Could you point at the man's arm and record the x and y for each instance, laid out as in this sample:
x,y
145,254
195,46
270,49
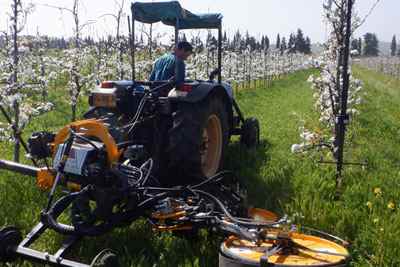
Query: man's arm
x,y
153,74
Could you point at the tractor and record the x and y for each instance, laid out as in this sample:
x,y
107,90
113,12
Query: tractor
x,y
154,150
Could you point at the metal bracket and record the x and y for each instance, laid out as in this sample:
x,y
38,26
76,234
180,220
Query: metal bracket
x,y
363,164
345,119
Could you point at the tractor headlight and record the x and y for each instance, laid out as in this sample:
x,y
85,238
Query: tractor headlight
x,y
101,97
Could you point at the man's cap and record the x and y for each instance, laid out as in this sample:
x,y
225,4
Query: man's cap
x,y
186,46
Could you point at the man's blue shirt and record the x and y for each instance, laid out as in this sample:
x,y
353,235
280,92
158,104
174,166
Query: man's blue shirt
x,y
164,69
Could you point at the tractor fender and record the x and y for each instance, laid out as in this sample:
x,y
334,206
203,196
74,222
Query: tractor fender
x,y
201,90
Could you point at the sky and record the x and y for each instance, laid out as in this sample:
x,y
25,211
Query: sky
x,y
259,17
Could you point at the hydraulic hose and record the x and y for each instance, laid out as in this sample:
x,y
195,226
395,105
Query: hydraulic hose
x,y
234,219
49,218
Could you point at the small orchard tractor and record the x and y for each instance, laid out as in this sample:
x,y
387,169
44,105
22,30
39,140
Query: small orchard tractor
x,y
151,150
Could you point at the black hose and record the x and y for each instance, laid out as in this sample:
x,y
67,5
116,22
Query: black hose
x,y
234,219
86,140
212,178
49,218
148,171
142,103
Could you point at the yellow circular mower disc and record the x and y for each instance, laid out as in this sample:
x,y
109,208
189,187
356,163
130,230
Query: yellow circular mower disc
x,y
246,251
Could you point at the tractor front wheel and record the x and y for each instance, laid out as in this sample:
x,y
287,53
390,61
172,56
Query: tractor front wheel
x,y
106,258
250,135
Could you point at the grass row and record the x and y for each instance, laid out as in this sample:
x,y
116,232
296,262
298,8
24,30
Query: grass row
x,y
366,214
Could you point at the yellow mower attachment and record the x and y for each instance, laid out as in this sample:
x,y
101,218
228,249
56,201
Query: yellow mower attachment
x,y
91,128
310,251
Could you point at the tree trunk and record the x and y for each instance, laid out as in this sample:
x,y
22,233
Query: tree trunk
x,y
14,80
16,132
73,112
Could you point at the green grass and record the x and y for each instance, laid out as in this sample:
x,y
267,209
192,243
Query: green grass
x,y
275,178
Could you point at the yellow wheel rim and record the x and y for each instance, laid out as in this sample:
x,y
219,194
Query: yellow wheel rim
x,y
211,147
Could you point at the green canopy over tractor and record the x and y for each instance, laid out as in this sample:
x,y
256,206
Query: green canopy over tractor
x,y
171,13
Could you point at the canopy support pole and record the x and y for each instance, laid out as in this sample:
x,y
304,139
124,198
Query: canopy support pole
x,y
176,45
131,27
219,53
134,50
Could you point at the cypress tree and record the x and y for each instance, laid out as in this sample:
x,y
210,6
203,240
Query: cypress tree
x,y
267,43
291,44
307,46
300,41
371,45
283,45
354,45
393,46
278,42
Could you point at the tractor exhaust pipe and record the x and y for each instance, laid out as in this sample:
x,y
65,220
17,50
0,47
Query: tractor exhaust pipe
x,y
20,168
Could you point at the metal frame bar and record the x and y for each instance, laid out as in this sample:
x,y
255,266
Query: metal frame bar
x,y
131,26
56,259
18,167
176,44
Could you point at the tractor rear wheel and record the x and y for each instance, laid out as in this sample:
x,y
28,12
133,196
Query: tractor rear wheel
x,y
197,139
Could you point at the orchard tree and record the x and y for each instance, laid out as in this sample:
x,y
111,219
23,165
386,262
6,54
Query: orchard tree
x,y
18,103
75,58
337,93
119,42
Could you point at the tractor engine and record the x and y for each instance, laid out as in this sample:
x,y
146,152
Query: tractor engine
x,y
86,163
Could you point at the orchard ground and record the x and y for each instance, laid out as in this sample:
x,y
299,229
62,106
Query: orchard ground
x,y
367,214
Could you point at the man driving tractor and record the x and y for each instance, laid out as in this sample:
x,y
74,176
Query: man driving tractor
x,y
164,67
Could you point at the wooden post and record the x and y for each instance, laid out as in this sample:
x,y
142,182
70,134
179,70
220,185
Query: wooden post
x,y
343,117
